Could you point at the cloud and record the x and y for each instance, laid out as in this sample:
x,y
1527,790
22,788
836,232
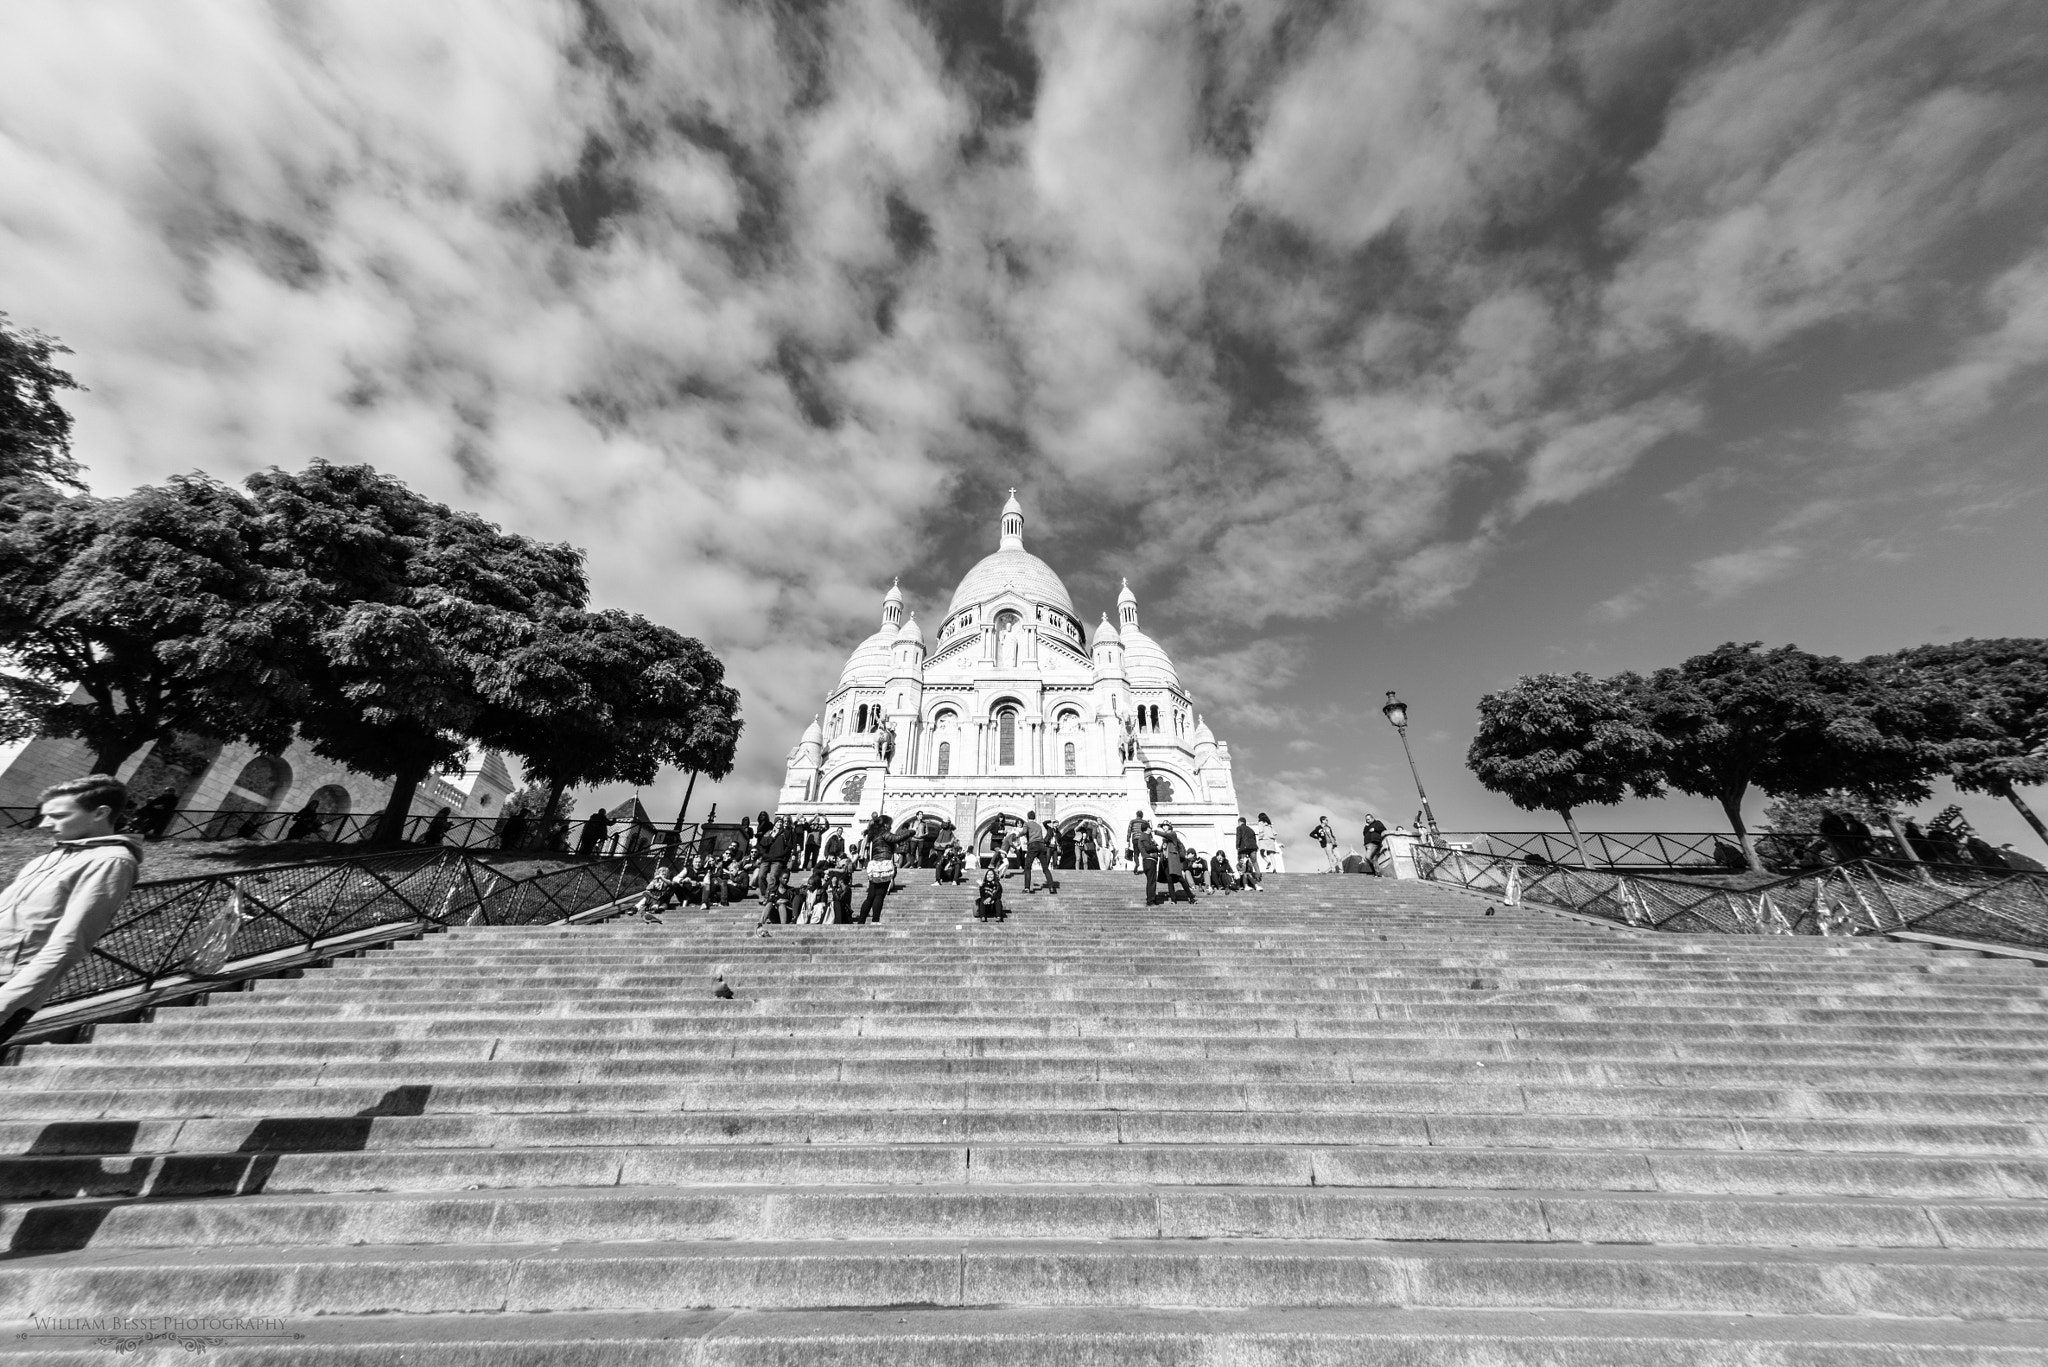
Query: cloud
x,y
1904,418
1295,312
1724,577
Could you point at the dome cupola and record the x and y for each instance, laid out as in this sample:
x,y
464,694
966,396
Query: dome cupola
x,y
1011,569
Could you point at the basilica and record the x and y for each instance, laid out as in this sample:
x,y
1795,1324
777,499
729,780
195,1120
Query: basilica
x,y
1008,709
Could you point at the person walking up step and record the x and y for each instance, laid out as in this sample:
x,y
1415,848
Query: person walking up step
x,y
62,902
1375,840
881,873
1247,855
1037,851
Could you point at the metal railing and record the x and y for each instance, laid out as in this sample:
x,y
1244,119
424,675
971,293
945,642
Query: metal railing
x,y
205,926
1861,897
1681,851
360,828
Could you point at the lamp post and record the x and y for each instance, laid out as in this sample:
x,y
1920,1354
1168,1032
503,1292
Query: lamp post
x,y
1396,712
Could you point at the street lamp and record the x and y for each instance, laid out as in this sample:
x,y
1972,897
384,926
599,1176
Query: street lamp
x,y
1396,712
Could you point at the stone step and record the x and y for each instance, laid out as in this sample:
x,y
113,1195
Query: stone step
x,y
679,1275
505,1061
357,1168
309,1121
629,1214
918,1336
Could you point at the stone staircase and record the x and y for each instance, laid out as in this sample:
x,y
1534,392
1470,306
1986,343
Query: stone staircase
x,y
1339,1121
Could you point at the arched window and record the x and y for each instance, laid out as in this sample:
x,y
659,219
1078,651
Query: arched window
x,y
1006,736
860,717
945,758
1155,716
1070,757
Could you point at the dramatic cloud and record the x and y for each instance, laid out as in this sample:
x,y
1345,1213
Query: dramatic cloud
x,y
1292,311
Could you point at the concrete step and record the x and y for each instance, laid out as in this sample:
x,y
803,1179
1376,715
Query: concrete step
x,y
335,1166
680,1275
628,1214
917,1336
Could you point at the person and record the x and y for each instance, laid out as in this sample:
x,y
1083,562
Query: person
x,y
153,817
1982,852
774,872
881,874
1037,852
839,887
1133,851
596,827
988,898
1220,877
927,841
1247,855
1198,871
659,892
1173,867
690,880
1272,854
437,829
305,821
835,844
814,835
62,902
1374,840
1145,852
948,862
1326,835
1084,847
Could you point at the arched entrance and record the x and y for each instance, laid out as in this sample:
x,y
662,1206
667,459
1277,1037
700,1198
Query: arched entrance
x,y
915,835
1074,851
255,791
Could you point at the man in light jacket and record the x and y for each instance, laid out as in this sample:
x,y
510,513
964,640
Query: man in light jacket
x,y
62,902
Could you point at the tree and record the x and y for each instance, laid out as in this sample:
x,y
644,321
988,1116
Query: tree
x,y
412,606
2004,684
158,607
1556,742
1792,722
35,430
609,697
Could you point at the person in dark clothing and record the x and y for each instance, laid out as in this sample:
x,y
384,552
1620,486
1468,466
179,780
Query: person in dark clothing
x,y
1146,846
881,876
1984,853
1173,863
1373,839
988,898
596,827
1220,877
927,838
437,829
153,817
305,822
835,845
775,855
1247,855
814,834
1036,851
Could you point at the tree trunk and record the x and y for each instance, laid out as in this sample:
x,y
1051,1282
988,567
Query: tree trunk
x,y
2012,795
108,758
1912,855
1732,805
547,814
1578,841
391,823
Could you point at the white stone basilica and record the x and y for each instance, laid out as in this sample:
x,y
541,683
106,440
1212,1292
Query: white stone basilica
x,y
1011,710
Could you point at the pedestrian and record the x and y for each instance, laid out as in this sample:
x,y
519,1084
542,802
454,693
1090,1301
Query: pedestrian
x,y
1375,840
437,829
1220,877
1145,853
814,834
1084,847
1325,835
1247,855
1272,854
305,822
1173,869
1037,852
153,817
1133,853
62,902
596,827
775,855
881,874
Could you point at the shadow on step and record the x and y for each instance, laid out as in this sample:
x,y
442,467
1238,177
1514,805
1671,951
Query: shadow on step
x,y
245,1172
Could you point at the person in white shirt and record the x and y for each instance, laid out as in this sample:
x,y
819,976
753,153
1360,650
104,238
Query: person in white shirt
x,y
62,902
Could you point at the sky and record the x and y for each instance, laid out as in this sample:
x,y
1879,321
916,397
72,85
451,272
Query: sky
x,y
1382,344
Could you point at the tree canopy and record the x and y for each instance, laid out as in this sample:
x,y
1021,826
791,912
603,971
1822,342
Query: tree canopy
x,y
1557,742
2003,686
157,606
1789,721
35,429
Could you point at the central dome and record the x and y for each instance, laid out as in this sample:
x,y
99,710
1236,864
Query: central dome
x,y
1011,569
1010,566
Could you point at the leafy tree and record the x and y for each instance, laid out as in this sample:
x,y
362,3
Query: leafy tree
x,y
412,607
35,431
157,606
1557,742
1792,722
2004,683
609,697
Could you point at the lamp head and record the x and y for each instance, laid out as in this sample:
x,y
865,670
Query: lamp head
x,y
1396,711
